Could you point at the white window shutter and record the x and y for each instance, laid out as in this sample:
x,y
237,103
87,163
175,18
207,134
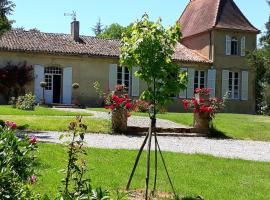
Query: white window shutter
x,y
183,93
211,81
244,86
135,83
243,46
39,77
112,77
190,86
228,45
225,82
67,85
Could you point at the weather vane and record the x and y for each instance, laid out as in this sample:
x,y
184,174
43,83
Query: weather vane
x,y
73,15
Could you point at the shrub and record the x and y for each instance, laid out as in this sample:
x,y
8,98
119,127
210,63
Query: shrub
x,y
26,102
17,162
141,106
12,102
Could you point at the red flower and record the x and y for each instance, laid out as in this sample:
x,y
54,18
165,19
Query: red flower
x,y
111,107
201,100
128,105
10,124
198,90
33,140
186,104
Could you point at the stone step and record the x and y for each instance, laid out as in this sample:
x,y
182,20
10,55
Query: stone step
x,y
64,105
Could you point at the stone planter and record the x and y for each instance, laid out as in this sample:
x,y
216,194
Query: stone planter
x,y
201,122
119,121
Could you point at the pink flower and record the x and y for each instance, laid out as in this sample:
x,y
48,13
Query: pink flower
x,y
10,124
198,90
33,179
33,140
185,103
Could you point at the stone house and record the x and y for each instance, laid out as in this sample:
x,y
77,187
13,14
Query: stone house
x,y
216,36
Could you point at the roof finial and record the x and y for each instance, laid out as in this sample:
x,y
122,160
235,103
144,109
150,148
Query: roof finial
x,y
73,15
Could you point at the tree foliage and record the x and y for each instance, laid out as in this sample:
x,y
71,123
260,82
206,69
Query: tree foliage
x,y
260,61
151,47
6,8
98,28
114,31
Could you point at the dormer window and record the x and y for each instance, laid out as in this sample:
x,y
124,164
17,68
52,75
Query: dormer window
x,y
234,46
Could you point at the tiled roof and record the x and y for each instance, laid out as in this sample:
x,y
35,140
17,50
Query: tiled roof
x,y
63,44
203,15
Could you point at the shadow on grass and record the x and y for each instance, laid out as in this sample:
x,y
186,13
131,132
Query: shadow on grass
x,y
217,134
23,127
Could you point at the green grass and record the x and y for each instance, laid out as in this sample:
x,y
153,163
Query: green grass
x,y
55,123
237,126
8,110
213,178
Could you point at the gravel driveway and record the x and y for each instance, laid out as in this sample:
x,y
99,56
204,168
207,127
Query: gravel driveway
x,y
246,150
132,121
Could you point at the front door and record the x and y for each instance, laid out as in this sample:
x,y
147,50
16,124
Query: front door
x,y
57,80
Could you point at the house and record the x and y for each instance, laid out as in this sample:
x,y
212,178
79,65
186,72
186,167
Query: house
x,y
216,36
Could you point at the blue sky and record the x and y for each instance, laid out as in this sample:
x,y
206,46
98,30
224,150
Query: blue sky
x,y
48,15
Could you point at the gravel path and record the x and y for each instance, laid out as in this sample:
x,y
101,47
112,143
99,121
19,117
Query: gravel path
x,y
132,121
246,150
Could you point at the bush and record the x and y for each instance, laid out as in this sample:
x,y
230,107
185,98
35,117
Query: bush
x,y
16,163
12,102
26,102
141,106
266,100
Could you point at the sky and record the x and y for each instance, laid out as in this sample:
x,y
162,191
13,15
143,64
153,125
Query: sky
x,y
48,15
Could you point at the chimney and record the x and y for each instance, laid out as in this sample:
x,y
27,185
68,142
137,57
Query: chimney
x,y
75,30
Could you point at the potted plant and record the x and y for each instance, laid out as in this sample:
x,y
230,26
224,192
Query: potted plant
x,y
204,108
43,84
75,86
119,103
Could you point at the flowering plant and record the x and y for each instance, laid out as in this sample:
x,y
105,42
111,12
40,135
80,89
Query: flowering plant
x,y
17,163
119,99
204,105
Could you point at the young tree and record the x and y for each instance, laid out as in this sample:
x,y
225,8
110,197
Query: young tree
x,y
151,47
98,28
6,8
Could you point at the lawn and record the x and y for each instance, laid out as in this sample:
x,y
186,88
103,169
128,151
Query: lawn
x,y
237,126
213,178
55,123
8,110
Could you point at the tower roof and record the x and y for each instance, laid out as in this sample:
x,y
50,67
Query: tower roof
x,y
203,15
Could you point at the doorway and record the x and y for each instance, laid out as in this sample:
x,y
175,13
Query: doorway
x,y
57,80
53,78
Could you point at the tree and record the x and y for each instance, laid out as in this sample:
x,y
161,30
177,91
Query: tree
x,y
6,8
115,31
98,28
151,47
260,61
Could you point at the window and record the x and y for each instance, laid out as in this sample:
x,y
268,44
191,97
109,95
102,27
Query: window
x,y
234,85
200,79
123,77
48,80
234,46
53,70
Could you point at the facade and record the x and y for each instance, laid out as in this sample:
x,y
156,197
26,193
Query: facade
x,y
216,36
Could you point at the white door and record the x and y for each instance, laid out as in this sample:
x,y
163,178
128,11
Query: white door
x,y
67,85
49,88
39,77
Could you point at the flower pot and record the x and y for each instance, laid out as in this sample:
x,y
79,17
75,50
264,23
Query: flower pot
x,y
201,122
119,121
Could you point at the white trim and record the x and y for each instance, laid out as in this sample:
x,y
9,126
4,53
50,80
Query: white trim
x,y
225,82
243,46
228,43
